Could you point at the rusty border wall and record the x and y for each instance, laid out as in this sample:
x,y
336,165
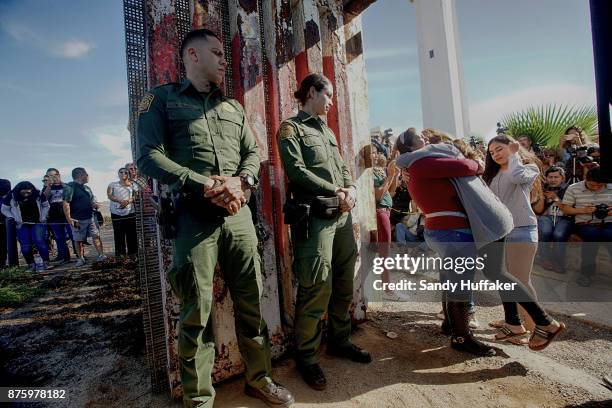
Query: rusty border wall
x,y
270,46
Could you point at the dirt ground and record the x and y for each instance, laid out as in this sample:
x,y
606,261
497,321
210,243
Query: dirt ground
x,y
85,335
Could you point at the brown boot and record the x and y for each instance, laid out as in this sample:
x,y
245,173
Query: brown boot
x,y
462,339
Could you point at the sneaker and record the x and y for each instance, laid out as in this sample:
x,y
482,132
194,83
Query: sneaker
x,y
101,257
63,262
473,323
47,266
351,352
31,267
313,376
394,296
273,394
80,262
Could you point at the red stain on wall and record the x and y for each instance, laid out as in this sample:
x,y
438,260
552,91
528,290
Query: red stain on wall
x,y
236,68
301,66
272,116
163,61
332,116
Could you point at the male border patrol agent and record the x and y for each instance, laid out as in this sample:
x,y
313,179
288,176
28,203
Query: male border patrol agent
x,y
324,247
196,140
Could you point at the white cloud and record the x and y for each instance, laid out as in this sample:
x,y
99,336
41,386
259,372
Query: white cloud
x,y
72,49
114,142
24,143
485,114
389,52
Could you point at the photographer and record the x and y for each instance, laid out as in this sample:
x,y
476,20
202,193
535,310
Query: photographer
x,y
590,201
574,145
553,226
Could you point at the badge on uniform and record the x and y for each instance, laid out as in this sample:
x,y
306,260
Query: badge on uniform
x,y
285,131
145,103
226,106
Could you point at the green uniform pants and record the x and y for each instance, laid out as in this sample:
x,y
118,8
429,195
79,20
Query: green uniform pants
x,y
324,265
198,246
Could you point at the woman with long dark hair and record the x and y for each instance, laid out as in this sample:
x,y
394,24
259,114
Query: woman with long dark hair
x,y
324,248
510,172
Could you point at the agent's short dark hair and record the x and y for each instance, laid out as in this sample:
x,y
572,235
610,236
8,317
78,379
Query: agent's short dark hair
x,y
318,81
199,34
52,169
594,174
78,172
554,169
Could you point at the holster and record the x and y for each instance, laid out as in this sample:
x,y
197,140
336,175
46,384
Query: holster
x,y
166,217
297,214
325,207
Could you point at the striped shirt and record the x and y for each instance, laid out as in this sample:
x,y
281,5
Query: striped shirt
x,y
578,195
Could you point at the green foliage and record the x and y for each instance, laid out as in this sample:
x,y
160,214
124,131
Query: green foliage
x,y
17,286
14,274
546,124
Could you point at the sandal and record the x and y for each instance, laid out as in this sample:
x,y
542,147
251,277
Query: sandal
x,y
508,335
497,324
546,335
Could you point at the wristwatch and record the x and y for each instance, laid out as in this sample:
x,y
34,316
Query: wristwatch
x,y
249,180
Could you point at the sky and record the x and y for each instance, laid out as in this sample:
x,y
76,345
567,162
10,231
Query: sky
x,y
515,54
63,86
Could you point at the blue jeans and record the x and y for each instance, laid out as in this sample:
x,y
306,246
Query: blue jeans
x,y
527,233
29,235
62,232
454,243
552,237
592,234
403,234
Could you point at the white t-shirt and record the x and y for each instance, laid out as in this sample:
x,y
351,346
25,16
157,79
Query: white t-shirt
x,y
121,192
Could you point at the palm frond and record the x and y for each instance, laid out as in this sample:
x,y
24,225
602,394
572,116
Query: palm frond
x,y
546,124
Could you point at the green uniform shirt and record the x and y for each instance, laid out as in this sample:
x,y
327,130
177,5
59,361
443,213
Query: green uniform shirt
x,y
311,158
184,137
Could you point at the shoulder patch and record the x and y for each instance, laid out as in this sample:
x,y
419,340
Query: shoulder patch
x,y
286,130
145,103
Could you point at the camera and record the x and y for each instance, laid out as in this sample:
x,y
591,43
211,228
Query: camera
x,y
501,129
601,211
580,153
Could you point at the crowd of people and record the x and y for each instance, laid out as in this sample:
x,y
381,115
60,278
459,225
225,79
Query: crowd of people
x,y
193,138
551,194
64,216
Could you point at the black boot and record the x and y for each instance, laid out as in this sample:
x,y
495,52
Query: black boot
x,y
446,327
462,339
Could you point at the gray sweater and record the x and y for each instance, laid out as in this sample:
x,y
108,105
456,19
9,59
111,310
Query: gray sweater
x,y
513,187
489,218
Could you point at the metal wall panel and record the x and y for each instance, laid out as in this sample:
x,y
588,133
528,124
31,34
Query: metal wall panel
x,y
270,46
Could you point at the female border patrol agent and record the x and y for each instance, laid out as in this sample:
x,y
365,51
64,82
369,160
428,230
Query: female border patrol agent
x,y
324,248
